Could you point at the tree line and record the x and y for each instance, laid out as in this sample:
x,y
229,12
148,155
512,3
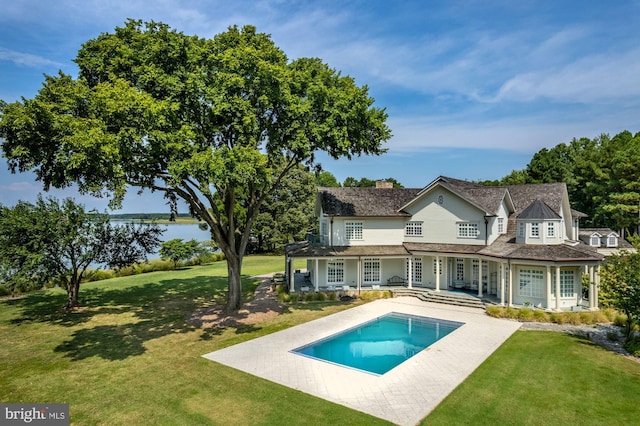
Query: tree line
x,y
602,176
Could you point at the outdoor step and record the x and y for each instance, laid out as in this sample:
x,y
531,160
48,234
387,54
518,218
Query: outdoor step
x,y
445,298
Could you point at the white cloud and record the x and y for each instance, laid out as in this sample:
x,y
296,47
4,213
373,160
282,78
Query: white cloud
x,y
26,59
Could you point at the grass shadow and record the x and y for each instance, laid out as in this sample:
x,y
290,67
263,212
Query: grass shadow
x,y
125,315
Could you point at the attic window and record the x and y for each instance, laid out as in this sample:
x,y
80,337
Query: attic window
x,y
413,229
595,241
612,241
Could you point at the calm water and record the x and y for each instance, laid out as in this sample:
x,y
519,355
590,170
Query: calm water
x,y
378,346
188,231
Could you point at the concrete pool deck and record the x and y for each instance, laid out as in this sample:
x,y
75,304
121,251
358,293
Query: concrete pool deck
x,y
404,395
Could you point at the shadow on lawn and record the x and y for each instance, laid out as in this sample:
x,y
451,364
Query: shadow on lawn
x,y
125,317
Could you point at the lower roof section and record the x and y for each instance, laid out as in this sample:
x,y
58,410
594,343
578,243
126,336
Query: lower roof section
x,y
501,249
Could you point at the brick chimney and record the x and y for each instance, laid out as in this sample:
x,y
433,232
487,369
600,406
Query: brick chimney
x,y
384,184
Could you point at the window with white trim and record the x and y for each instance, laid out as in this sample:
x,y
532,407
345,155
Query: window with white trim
x,y
467,230
437,264
595,241
535,230
501,225
353,230
371,270
612,241
416,270
551,229
521,229
413,229
567,284
531,283
459,269
335,271
324,232
475,266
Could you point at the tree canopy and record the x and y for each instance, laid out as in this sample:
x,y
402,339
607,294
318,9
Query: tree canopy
x,y
602,177
217,122
58,242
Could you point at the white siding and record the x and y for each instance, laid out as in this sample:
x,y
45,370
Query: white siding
x,y
441,220
375,231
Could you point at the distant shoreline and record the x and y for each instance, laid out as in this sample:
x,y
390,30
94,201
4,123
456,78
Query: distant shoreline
x,y
159,218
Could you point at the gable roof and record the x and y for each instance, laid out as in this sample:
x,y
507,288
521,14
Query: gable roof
x,y
483,197
372,202
552,194
538,210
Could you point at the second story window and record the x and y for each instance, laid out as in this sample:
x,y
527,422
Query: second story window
x,y
353,230
612,241
467,230
535,230
595,241
501,225
413,229
521,229
551,230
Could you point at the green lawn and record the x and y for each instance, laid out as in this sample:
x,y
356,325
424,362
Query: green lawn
x,y
129,357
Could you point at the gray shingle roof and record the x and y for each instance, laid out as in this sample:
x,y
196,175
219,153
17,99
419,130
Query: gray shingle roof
x,y
550,193
538,210
487,198
372,202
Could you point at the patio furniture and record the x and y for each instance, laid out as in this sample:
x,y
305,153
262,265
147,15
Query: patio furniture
x,y
396,280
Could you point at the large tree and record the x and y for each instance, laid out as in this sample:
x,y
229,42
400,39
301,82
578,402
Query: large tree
x,y
58,242
217,122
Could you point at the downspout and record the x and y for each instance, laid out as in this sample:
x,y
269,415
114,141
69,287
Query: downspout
x,y
486,230
331,232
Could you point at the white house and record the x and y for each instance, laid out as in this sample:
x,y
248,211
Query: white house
x,y
518,244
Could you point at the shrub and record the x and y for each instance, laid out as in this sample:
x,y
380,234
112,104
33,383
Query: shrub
x,y
321,297
332,296
525,314
309,297
620,320
559,317
540,316
511,313
586,318
495,311
633,346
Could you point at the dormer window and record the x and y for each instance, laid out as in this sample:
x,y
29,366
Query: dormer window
x,y
535,230
595,240
551,230
612,241
501,225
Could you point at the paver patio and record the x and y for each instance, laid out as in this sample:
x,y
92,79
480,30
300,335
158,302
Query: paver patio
x,y
403,395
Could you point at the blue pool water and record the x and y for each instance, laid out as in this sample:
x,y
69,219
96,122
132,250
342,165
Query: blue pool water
x,y
381,344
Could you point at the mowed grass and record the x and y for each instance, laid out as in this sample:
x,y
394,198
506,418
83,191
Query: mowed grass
x,y
130,357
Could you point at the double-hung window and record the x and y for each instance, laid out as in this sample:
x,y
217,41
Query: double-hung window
x,y
612,241
501,225
413,229
535,230
353,230
551,230
467,230
371,270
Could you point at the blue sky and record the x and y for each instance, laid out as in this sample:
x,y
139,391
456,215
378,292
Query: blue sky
x,y
472,88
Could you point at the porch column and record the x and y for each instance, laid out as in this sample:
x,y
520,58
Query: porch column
x,y
359,275
510,285
410,273
437,273
557,288
480,283
316,280
596,285
548,287
502,273
591,285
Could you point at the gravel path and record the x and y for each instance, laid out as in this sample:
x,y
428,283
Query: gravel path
x,y
598,334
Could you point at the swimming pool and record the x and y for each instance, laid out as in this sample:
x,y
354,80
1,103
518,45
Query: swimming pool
x,y
381,344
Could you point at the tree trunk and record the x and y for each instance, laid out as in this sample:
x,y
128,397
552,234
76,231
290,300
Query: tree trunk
x,y
72,291
234,296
